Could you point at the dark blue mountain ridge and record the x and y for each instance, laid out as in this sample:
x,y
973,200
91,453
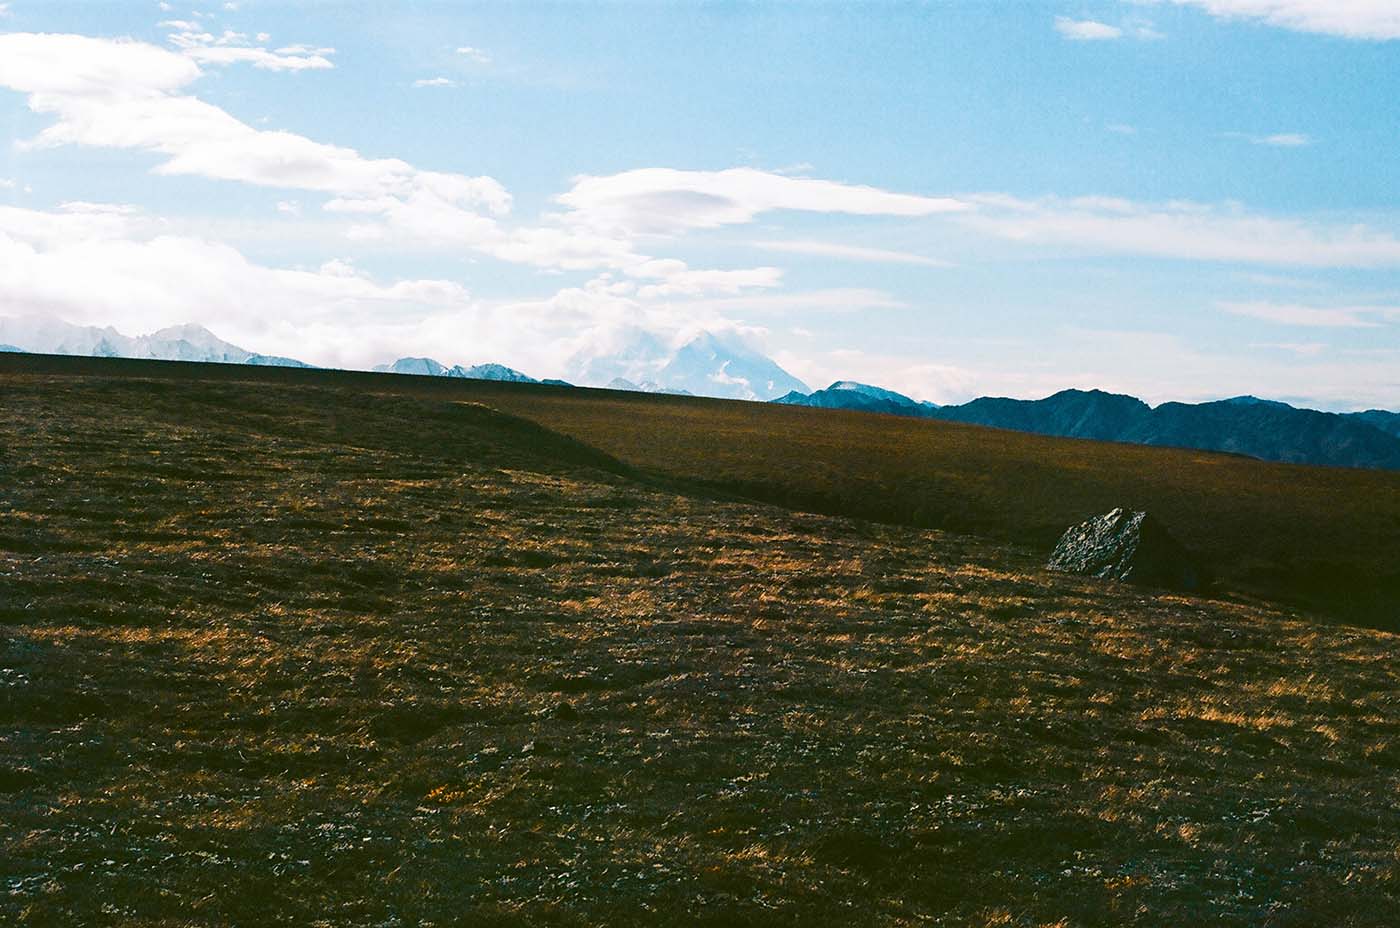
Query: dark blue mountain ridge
x,y
850,394
1265,429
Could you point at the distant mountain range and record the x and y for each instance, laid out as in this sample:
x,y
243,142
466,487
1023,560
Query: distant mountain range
x,y
646,386
847,394
1265,429
716,365
427,367
707,365
177,343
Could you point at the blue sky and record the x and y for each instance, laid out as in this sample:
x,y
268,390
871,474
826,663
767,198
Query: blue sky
x,y
1183,199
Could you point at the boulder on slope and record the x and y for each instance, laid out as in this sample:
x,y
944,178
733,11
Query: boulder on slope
x,y
1129,546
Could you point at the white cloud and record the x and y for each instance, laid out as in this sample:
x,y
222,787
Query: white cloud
x,y
4,9
1352,19
667,200
289,207
850,252
474,54
88,265
110,264
831,300
1182,230
1301,349
258,58
1276,140
65,66
233,47
122,94
1086,30
685,282
435,82
1350,317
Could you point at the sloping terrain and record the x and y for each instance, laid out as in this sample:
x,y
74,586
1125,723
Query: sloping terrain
x,y
276,652
1321,537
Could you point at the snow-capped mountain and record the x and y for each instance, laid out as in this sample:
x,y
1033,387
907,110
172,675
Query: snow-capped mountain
x,y
706,365
427,367
46,335
491,372
422,367
850,394
646,386
713,366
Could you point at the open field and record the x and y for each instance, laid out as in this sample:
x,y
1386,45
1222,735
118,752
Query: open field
x,y
280,652
1316,537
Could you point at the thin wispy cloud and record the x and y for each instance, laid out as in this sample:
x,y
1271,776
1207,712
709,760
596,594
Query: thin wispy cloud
x,y
435,82
230,47
850,252
1182,230
1285,140
1294,314
1274,140
1299,349
1086,30
667,200
474,54
1092,30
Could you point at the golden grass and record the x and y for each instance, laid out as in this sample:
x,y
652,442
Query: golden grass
x,y
350,659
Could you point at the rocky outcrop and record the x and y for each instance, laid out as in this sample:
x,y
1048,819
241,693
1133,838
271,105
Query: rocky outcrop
x,y
1129,546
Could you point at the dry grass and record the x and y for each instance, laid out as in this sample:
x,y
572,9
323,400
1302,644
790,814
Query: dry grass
x,y
300,655
1315,537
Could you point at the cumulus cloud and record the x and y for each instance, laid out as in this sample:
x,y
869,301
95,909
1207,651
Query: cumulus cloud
x,y
474,54
1351,19
111,264
1189,231
131,95
122,94
91,265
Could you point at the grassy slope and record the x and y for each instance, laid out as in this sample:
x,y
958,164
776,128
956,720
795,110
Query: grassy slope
x,y
277,654
1321,537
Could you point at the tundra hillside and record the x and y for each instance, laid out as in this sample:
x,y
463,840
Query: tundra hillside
x,y
1322,538
282,652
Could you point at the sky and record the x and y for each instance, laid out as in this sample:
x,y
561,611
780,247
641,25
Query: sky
x,y
1182,199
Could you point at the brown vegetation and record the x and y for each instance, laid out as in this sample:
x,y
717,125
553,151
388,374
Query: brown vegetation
x,y
1318,537
307,655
